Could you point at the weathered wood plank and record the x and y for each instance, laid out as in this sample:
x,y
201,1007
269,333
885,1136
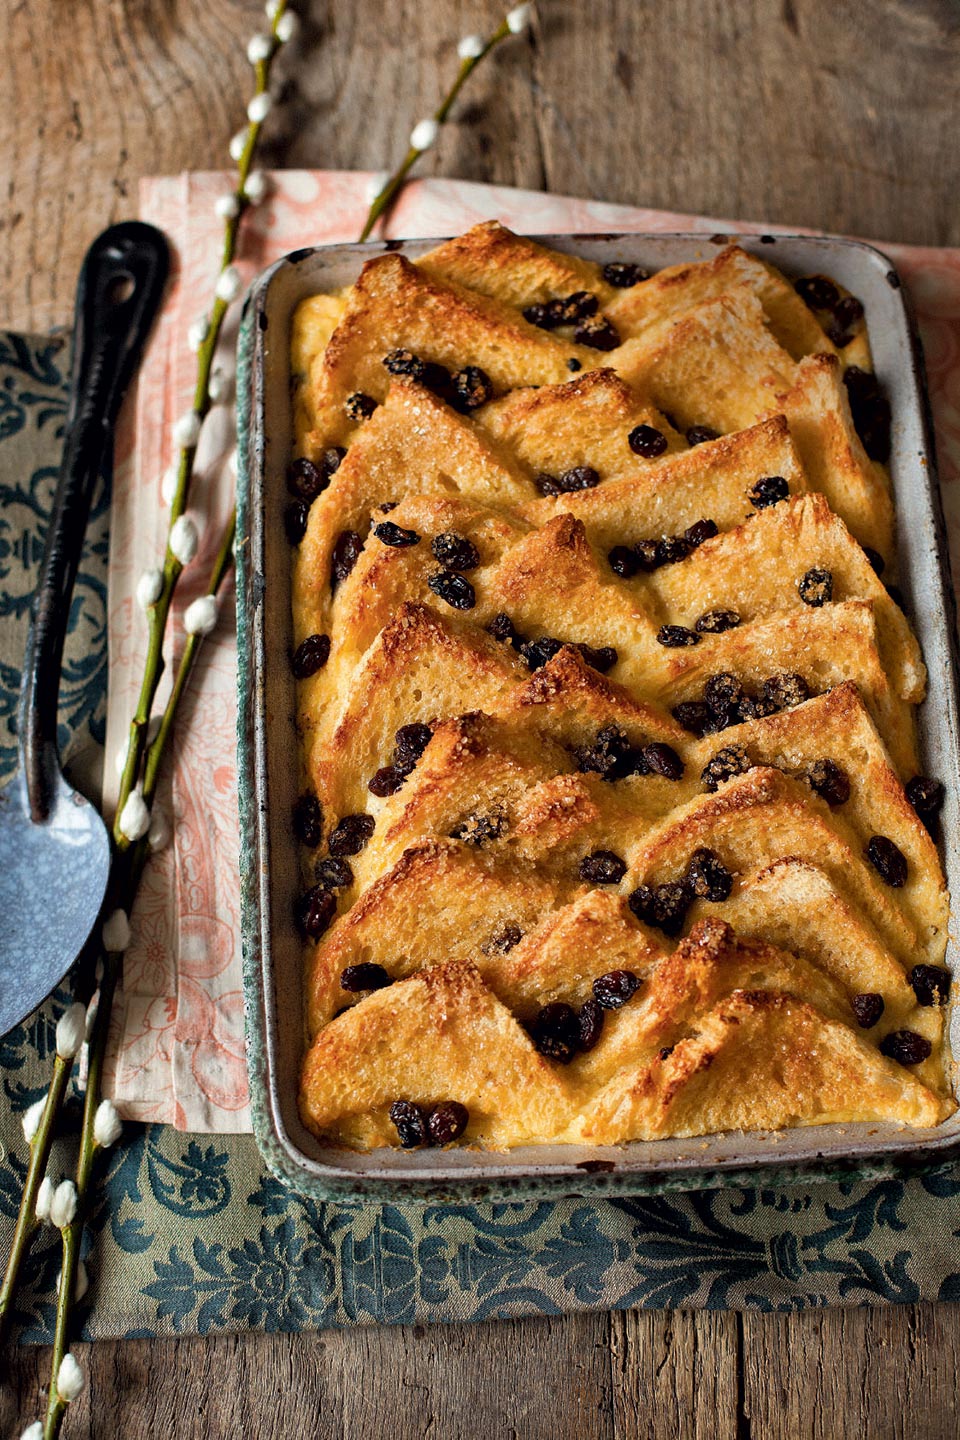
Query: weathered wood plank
x,y
675,1375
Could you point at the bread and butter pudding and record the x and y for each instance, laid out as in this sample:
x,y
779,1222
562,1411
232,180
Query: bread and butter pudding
x,y
612,821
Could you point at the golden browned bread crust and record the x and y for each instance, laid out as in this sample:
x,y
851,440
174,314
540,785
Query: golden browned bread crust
x,y
565,769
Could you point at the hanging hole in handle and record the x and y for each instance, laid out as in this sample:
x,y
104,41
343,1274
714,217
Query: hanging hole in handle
x,y
120,289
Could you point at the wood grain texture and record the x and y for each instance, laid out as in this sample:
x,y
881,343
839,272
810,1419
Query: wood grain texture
x,y
799,111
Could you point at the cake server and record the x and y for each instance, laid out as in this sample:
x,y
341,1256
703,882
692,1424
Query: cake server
x,y
54,846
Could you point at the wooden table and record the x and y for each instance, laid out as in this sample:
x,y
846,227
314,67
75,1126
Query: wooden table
x,y
814,112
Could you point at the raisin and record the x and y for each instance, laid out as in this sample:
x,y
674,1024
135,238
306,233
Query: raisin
x,y
661,759
502,628
708,877
404,362
816,586
440,382
768,490
925,795
386,781
602,868
546,483
612,990
359,406
546,316
409,744
647,440
715,622
602,657
578,306
539,652
876,560
503,940
699,531
838,335
590,1021
314,911
333,873
888,860
472,387
675,637
351,834
346,553
447,1122
672,548
785,690
666,1051
366,976
848,311
398,537
664,906
611,756
694,716
580,477
308,821
410,1122
870,410
817,291
598,333
455,589
931,984
647,553
310,656
722,693
622,275
556,1032
478,829
455,551
701,435
830,781
304,480
867,1007
905,1046
574,364
732,760
295,521
624,561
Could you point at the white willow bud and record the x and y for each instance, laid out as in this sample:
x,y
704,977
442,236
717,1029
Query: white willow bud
x,y
255,187
158,836
70,1378
70,1030
149,588
63,1206
260,107
31,1118
272,8
169,483
227,206
518,19
424,134
134,817
374,185
107,1125
259,48
470,47
229,284
198,332
184,539
33,1432
201,616
116,933
186,430
238,144
44,1199
287,26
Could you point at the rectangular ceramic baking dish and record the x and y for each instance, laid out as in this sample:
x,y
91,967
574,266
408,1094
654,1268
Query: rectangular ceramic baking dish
x,y
268,777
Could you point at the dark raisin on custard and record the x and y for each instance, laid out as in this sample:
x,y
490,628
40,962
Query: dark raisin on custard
x,y
351,834
455,551
785,690
591,1025
603,867
612,990
870,410
647,440
696,717
396,536
538,653
547,484
597,333
573,364
503,940
867,1007
409,743
598,657
664,906
701,435
359,405
386,781
446,1122
310,656
905,1046
346,553
671,549
580,477
848,312
471,388
404,362
931,984
611,756
816,586
295,521
411,1123
333,873
578,306
314,911
768,490
676,637
366,976
708,877
502,628
723,693
662,759
622,275
477,829
556,1032
648,554
715,622
452,588
624,561
926,796
817,291
304,480
308,821
699,531
730,761
888,860
830,781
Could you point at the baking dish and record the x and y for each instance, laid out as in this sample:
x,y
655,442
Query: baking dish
x,y
268,779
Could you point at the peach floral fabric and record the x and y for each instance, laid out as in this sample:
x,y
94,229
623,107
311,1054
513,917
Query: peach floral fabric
x,y
177,1048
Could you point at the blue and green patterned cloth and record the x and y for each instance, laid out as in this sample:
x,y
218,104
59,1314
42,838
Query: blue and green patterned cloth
x,y
190,1234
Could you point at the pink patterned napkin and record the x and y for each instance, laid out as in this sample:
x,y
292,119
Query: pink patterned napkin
x,y
177,1049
